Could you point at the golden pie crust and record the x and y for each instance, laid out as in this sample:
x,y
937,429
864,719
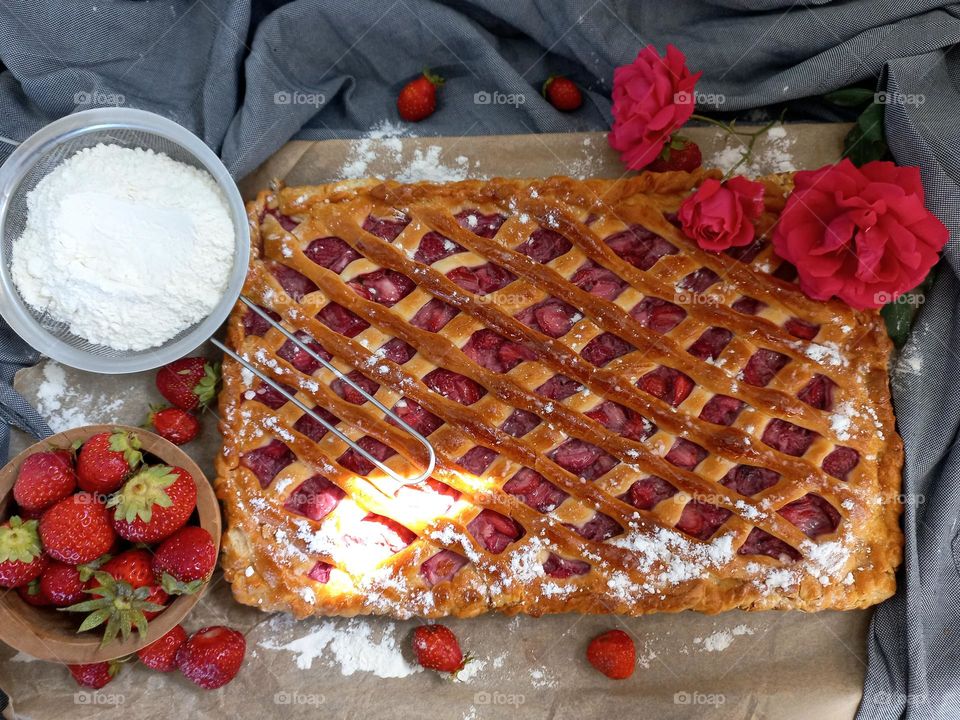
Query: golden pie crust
x,y
632,560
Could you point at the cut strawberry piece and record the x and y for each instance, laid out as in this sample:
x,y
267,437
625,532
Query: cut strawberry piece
x,y
286,222
387,287
604,348
267,461
314,498
648,492
255,325
622,420
746,253
598,528
300,358
760,542
702,519
454,386
812,514
494,531
483,279
313,429
639,247
671,386
434,315
534,490
583,459
711,343
331,253
477,459
386,228
442,567
559,387
598,280
762,366
840,462
295,284
494,352
544,245
818,392
320,572
485,226
721,410
562,568
383,532
520,423
801,329
787,437
355,462
552,317
698,280
747,306
351,394
339,319
398,351
434,247
749,480
269,396
414,415
685,454
659,315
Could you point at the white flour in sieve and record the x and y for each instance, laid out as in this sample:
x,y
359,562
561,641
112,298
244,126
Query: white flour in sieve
x,y
126,246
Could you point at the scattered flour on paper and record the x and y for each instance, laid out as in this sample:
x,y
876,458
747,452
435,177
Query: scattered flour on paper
x,y
542,678
772,153
22,657
722,639
65,407
382,144
348,645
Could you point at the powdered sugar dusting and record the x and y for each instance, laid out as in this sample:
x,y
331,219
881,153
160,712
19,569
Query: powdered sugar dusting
x,y
772,153
721,639
65,407
382,146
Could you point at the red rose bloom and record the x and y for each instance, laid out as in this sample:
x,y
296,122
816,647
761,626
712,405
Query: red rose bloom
x,y
651,99
860,234
720,215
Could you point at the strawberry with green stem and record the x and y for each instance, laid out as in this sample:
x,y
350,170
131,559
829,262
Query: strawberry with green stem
x,y
188,383
21,554
185,561
680,154
106,460
95,675
117,604
418,98
153,504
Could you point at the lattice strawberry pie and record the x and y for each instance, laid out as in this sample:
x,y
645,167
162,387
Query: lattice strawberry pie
x,y
622,422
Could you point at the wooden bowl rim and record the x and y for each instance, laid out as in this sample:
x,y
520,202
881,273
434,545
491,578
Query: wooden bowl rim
x,y
22,632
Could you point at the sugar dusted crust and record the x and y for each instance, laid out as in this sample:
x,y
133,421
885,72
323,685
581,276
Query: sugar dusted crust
x,y
650,566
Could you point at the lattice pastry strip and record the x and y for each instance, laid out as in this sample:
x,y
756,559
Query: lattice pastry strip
x,y
622,422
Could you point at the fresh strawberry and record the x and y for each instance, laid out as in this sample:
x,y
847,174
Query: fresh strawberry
x,y
21,556
678,154
44,478
32,595
436,648
188,382
156,596
77,530
418,98
562,93
162,654
131,566
173,424
62,584
154,504
94,675
185,561
613,653
212,656
117,603
106,460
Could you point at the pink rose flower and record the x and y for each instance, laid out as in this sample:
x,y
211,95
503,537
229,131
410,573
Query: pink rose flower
x,y
720,215
860,234
651,99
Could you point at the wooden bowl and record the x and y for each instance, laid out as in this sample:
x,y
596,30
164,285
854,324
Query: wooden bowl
x,y
46,634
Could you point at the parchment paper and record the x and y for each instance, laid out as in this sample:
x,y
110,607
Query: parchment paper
x,y
735,665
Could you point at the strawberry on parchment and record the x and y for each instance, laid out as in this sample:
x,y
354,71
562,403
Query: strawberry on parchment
x,y
161,655
437,648
173,424
94,675
212,656
613,653
188,382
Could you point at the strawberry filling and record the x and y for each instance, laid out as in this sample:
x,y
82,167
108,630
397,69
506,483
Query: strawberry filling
x,y
253,324
639,247
355,462
339,319
331,253
477,459
840,462
801,329
351,394
661,316
562,568
442,567
604,348
583,459
520,423
295,284
702,519
762,366
434,315
430,491
387,287
760,542
544,245
787,437
597,280
667,384
685,454
598,528
486,226
314,498
552,317
386,228
749,480
494,531
534,490
746,253
454,386
286,222
483,279
818,392
494,352
721,410
320,572
265,462
382,532
414,415
398,351
711,343
647,492
812,514
272,398
434,247
622,420
313,429
698,280
559,387
299,358
748,306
